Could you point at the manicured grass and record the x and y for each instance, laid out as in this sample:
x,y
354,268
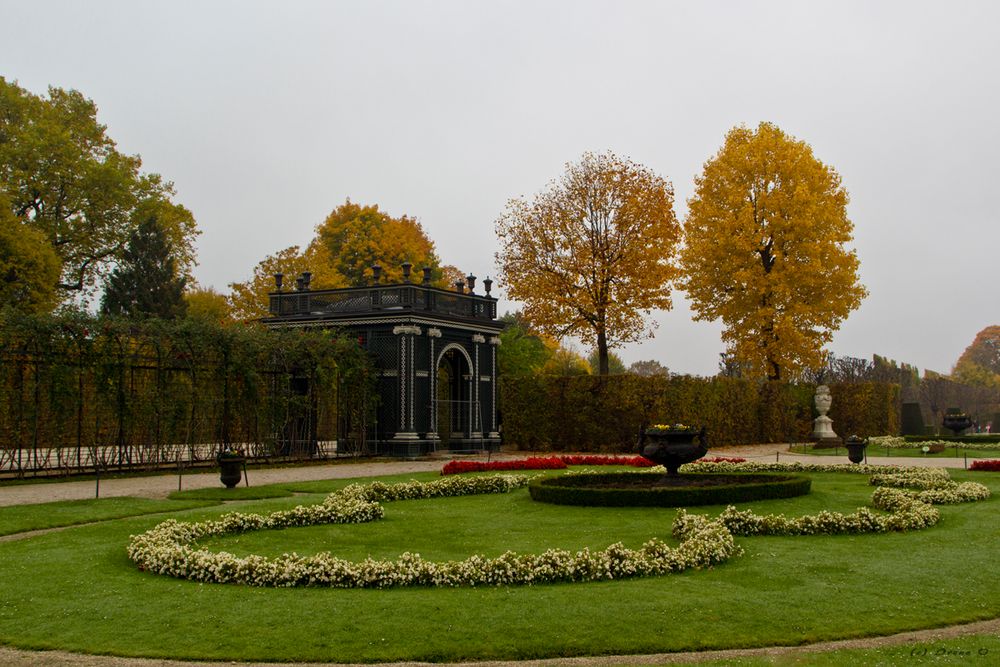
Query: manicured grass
x,y
237,493
970,650
330,485
22,518
76,590
948,453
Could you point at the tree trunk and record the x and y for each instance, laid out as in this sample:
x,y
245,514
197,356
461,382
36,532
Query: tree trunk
x,y
602,352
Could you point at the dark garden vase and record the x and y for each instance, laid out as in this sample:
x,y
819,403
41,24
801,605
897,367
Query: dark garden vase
x,y
231,470
855,449
956,423
672,449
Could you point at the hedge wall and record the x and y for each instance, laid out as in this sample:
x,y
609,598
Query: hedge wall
x,y
590,413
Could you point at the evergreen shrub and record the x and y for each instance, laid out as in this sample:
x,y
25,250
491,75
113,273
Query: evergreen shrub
x,y
584,489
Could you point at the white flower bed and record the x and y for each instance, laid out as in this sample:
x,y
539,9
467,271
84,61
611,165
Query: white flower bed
x,y
897,442
929,478
907,509
166,549
906,494
752,466
966,492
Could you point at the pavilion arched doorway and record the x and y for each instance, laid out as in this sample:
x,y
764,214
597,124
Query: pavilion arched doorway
x,y
454,409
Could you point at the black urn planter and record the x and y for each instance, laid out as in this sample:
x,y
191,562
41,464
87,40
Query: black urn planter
x,y
231,470
855,449
672,448
956,422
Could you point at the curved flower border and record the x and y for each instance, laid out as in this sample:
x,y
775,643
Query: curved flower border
x,y
907,509
898,442
166,549
907,495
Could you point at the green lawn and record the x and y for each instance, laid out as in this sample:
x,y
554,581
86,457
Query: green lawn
x,y
948,453
76,590
22,518
971,650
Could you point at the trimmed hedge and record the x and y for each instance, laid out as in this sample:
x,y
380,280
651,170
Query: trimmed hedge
x,y
579,490
591,413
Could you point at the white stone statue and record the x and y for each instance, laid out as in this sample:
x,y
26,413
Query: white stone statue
x,y
823,425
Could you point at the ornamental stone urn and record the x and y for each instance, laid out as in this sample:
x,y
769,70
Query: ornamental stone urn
x,y
230,469
956,421
672,448
823,426
855,449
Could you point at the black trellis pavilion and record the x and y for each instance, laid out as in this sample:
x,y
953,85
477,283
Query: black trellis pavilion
x,y
434,350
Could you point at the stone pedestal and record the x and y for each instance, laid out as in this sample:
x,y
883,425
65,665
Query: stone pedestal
x,y
823,432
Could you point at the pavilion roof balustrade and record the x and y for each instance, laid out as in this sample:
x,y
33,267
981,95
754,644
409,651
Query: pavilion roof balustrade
x,y
400,298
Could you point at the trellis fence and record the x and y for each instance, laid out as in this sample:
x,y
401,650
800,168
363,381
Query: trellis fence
x,y
80,394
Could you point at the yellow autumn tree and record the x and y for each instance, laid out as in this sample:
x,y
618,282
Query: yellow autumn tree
x,y
592,255
980,363
347,243
355,237
207,305
248,300
765,250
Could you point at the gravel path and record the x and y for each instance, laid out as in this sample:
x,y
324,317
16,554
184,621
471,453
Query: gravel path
x,y
161,485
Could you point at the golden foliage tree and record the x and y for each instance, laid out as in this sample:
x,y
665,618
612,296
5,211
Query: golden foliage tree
x,y
29,265
204,303
593,254
347,243
248,299
765,251
354,237
980,363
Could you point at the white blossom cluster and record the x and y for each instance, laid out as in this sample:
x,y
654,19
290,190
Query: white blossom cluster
x,y
914,478
933,486
167,548
907,494
966,492
794,466
898,442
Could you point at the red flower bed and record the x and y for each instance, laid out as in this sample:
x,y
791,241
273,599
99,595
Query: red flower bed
x,y
533,463
588,460
992,465
559,462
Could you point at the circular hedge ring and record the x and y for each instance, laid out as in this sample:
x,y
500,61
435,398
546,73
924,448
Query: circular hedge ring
x,y
645,490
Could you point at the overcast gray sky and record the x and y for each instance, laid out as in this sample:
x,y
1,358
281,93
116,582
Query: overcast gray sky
x,y
267,115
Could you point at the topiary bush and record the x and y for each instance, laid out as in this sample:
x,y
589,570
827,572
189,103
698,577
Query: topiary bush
x,y
911,419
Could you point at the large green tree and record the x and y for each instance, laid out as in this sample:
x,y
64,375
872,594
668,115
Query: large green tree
x,y
66,179
615,364
522,351
145,283
766,251
592,255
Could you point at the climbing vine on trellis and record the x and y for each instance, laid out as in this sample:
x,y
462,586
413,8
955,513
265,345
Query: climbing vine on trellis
x,y
79,392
